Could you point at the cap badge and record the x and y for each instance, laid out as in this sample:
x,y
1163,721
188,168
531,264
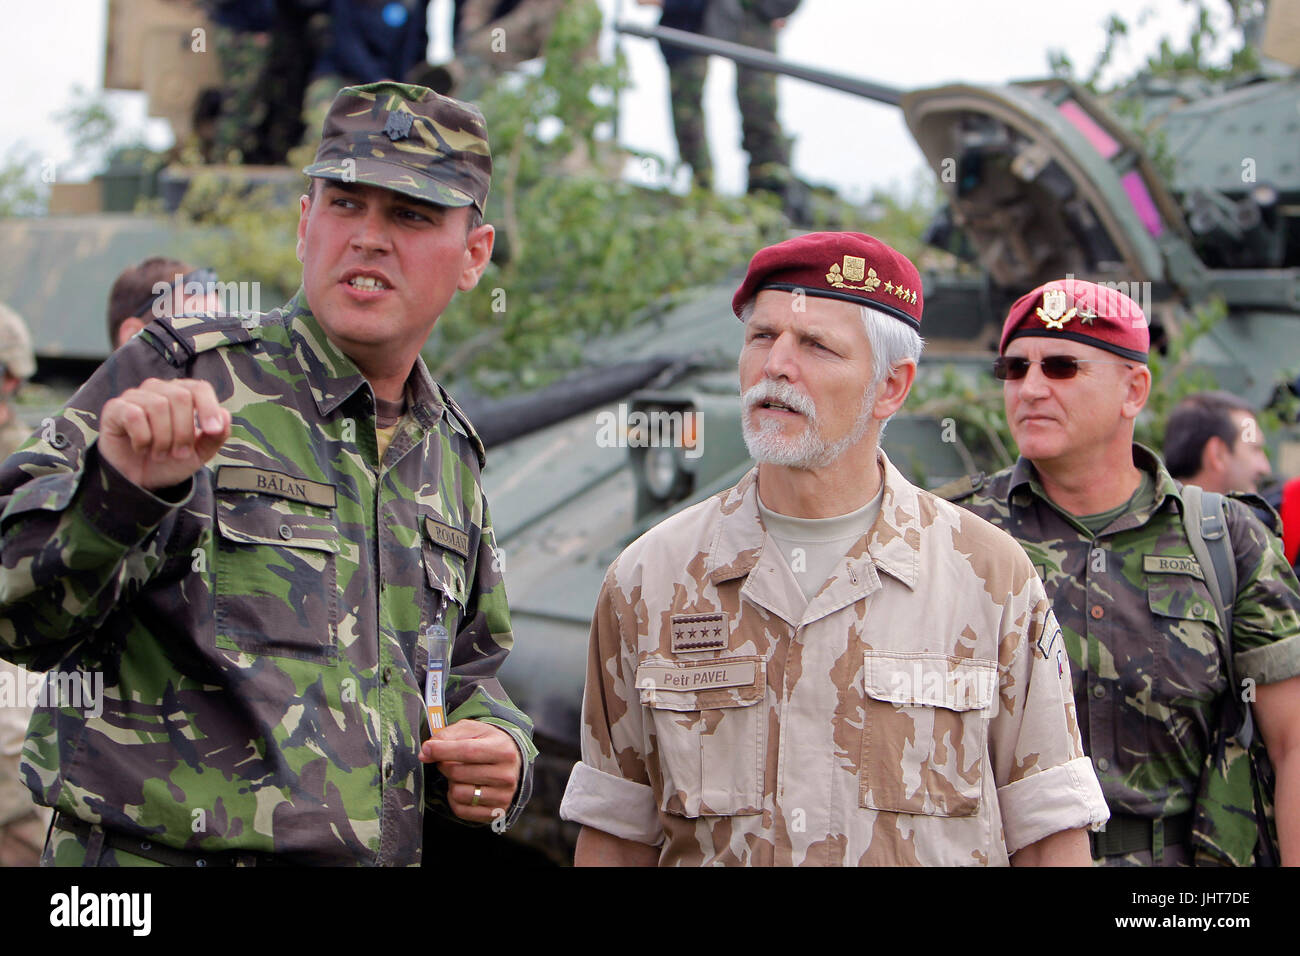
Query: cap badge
x,y
1054,312
853,272
398,125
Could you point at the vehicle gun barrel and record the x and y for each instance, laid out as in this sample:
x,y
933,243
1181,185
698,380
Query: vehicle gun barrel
x,y
762,60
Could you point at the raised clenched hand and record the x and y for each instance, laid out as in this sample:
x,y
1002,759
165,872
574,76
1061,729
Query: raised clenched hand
x,y
161,432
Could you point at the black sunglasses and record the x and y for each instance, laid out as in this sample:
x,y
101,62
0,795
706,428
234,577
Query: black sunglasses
x,y
1011,368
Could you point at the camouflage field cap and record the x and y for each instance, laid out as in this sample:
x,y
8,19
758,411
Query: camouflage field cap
x,y
409,139
15,344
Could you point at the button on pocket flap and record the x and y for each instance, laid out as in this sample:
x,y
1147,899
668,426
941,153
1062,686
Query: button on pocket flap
x,y
1180,596
262,519
701,685
930,680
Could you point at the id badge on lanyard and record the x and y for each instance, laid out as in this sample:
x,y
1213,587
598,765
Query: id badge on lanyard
x,y
435,678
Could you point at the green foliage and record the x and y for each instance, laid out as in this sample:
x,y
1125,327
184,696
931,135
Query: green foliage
x,y
96,131
900,215
1116,30
586,253
90,122
21,191
1192,57
255,234
974,403
97,138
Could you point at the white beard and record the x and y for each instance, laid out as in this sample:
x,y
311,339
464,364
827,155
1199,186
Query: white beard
x,y
806,450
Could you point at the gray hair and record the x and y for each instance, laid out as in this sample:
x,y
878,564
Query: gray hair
x,y
892,341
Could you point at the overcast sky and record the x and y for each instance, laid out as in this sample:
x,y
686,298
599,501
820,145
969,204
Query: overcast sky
x,y
52,46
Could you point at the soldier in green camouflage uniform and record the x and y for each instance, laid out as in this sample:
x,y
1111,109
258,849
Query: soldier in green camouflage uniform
x,y
268,52
761,135
244,100
254,531
1102,520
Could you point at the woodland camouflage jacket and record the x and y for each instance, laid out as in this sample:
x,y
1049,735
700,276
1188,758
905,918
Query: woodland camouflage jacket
x,y
258,629
1142,630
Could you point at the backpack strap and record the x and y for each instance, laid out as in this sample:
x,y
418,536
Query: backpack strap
x,y
1207,533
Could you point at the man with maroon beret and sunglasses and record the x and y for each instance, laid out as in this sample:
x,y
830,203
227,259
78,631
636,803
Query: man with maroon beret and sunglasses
x,y
1104,523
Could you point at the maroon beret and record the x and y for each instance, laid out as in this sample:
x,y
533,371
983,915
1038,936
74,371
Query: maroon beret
x,y
837,265
1080,311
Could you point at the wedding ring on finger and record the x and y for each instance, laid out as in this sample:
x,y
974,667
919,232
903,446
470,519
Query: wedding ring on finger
x,y
478,792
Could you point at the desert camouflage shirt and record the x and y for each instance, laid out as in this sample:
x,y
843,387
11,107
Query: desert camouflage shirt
x,y
260,628
1140,627
915,711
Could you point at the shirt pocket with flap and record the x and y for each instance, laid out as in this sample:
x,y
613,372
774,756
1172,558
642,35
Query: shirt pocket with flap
x,y
1184,661
445,555
276,586
708,724
925,732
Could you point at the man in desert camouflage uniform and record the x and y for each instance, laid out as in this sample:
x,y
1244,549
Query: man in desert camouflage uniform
x,y
825,665
1102,521
253,531
22,823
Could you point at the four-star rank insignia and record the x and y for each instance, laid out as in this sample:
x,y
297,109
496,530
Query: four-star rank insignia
x,y
399,125
1055,311
699,632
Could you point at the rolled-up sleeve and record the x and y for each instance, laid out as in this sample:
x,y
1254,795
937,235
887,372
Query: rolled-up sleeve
x,y
1266,610
611,803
